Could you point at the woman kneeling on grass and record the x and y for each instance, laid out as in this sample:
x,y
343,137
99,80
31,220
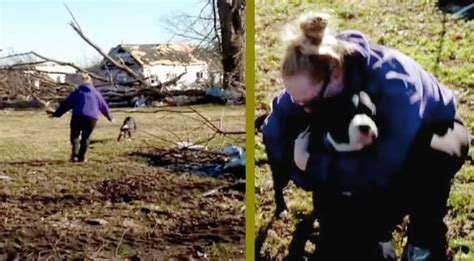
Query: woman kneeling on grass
x,y
421,145
85,102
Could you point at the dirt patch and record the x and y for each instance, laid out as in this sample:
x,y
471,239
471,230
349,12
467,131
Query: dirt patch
x,y
144,214
128,189
114,206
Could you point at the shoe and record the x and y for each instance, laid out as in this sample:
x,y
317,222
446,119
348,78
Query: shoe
x,y
84,160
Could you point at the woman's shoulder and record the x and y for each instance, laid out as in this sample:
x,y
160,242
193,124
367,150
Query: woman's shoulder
x,y
351,35
284,103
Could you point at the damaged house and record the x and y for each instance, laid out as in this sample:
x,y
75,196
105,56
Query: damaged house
x,y
31,63
26,76
156,62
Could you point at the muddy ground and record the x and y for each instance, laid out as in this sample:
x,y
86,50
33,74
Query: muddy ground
x,y
117,205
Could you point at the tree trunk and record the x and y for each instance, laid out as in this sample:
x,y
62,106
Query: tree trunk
x,y
231,14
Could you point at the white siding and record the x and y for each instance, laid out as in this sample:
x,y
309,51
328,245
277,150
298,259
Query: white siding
x,y
54,67
168,72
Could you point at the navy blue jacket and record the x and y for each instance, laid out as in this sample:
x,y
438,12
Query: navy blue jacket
x,y
406,97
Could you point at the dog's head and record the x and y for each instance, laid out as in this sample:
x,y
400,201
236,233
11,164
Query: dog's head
x,y
355,128
127,119
128,123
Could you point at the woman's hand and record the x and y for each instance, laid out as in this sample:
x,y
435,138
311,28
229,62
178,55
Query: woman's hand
x,y
301,154
49,113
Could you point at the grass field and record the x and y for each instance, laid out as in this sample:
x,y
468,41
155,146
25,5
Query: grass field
x,y
442,45
115,205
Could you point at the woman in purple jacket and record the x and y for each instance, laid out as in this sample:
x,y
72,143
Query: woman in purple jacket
x,y
421,143
86,102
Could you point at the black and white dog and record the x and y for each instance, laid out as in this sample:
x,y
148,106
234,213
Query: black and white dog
x,y
352,128
127,128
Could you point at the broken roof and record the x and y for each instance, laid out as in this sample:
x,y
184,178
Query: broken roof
x,y
20,58
166,54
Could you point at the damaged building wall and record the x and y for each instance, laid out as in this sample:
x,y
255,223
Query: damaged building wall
x,y
55,71
165,73
158,63
107,69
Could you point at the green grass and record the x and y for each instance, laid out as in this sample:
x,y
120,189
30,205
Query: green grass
x,y
439,43
46,208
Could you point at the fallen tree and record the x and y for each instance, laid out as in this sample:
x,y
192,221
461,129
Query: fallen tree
x,y
21,82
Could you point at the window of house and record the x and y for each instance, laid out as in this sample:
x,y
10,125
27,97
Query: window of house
x,y
199,75
153,79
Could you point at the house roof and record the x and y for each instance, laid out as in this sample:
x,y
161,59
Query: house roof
x,y
21,58
167,54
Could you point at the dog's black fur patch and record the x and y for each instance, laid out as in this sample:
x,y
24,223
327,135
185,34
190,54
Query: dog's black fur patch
x,y
127,128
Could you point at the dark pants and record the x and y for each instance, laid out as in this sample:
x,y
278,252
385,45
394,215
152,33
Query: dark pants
x,y
347,227
81,130
352,226
422,190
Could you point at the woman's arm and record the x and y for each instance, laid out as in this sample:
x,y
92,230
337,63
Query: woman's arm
x,y
65,106
103,107
280,128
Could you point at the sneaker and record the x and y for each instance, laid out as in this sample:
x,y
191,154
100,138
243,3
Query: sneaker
x,y
84,160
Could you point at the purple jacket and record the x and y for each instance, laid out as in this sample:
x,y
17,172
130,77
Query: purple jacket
x,y
84,101
406,98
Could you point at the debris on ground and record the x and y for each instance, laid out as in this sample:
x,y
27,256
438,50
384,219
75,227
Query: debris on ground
x,y
195,159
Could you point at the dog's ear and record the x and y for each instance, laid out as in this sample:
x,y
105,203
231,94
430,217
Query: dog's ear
x,y
365,104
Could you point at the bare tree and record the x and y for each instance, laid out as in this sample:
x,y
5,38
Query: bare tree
x,y
218,27
232,27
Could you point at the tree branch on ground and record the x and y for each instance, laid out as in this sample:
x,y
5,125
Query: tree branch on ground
x,y
202,120
214,127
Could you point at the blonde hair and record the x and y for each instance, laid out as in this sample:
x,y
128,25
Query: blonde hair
x,y
85,78
311,48
78,79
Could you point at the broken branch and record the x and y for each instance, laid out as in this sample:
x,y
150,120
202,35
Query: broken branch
x,y
106,56
214,127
